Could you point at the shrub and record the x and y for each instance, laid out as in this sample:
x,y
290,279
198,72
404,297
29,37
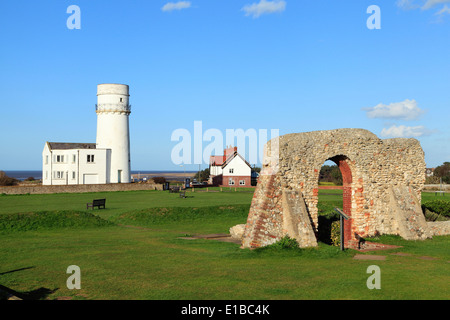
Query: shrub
x,y
7,181
440,207
159,180
432,180
336,233
325,226
288,243
431,216
284,243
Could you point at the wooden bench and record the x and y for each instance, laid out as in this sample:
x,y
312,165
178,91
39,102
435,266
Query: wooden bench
x,y
174,190
99,203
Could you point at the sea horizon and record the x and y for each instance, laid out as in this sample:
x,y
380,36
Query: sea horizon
x,y
37,174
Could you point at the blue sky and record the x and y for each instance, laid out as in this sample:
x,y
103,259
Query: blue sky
x,y
296,66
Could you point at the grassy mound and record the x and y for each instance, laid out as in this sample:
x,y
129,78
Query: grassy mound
x,y
161,216
47,220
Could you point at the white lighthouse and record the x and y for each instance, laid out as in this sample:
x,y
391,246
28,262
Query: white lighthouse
x,y
107,160
113,132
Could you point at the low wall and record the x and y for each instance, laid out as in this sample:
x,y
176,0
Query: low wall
x,y
435,187
439,228
331,187
81,188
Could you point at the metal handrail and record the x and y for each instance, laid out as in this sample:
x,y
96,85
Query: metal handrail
x,y
342,216
126,107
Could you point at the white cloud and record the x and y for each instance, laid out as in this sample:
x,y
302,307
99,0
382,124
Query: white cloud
x,y
170,6
407,4
405,132
405,110
444,10
432,3
425,5
264,7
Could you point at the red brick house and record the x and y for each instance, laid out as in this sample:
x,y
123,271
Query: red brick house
x,y
230,170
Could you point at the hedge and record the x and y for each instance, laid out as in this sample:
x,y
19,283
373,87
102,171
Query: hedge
x,y
439,207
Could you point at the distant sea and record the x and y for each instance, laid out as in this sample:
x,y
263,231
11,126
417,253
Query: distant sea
x,y
37,174
22,175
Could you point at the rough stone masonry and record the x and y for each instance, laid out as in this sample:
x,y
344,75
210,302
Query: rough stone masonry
x,y
382,184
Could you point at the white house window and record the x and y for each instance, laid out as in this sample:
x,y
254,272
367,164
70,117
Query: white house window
x,y
59,174
46,174
120,99
231,170
242,182
59,158
90,158
46,159
73,175
74,158
231,182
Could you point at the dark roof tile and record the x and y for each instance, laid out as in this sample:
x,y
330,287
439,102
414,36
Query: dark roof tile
x,y
67,145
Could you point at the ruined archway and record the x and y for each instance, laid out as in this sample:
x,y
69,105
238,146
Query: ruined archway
x,y
345,175
382,184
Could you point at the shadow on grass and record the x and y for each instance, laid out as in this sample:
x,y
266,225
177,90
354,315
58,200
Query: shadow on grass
x,y
11,271
37,294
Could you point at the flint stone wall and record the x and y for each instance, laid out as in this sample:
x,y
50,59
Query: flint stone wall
x,y
79,188
373,172
439,228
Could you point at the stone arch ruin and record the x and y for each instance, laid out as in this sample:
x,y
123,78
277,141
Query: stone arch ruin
x,y
382,184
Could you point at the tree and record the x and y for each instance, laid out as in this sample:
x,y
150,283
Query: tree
x,y
159,180
7,181
202,175
256,169
336,175
330,174
432,180
443,171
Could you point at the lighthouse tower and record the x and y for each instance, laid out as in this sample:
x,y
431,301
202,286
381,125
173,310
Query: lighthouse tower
x,y
113,133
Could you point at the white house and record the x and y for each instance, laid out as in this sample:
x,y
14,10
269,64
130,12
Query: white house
x,y
231,169
107,160
74,163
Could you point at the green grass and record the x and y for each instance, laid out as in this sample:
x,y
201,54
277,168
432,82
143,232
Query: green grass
x,y
216,219
328,200
48,220
326,183
147,259
118,202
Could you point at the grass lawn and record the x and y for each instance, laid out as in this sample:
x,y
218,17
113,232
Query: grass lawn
x,y
146,259
118,202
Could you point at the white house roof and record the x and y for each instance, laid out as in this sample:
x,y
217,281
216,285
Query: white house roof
x,y
234,155
68,146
